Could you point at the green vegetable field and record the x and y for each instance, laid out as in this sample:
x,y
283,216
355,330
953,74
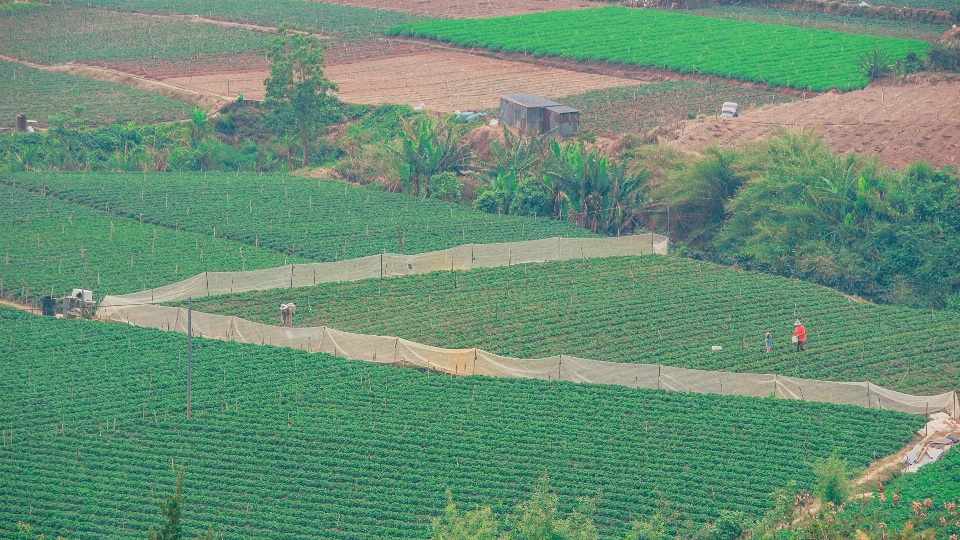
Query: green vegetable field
x,y
772,54
656,310
294,445
42,94
42,237
53,35
317,219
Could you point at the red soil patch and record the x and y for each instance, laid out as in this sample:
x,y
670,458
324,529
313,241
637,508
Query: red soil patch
x,y
466,9
902,122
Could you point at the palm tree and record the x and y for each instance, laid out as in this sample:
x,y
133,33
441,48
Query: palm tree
x,y
426,148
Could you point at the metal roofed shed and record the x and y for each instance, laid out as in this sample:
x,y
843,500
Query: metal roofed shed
x,y
531,114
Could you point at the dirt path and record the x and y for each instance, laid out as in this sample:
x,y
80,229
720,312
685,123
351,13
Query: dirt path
x,y
202,98
22,307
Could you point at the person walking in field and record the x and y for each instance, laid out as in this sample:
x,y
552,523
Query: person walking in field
x,y
799,335
769,338
286,315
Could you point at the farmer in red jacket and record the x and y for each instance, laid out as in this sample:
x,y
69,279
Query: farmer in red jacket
x,y
799,335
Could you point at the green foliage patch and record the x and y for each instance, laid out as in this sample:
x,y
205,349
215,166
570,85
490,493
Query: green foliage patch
x,y
41,94
42,238
775,55
316,219
656,310
294,445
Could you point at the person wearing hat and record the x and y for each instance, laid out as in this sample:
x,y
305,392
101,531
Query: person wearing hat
x,y
769,340
286,315
799,335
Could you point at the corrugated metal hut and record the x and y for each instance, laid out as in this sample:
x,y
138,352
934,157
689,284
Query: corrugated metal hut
x,y
530,114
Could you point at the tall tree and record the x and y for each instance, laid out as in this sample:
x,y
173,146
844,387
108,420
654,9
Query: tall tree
x,y
172,509
297,82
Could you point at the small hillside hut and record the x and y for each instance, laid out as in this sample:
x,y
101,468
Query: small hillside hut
x,y
533,114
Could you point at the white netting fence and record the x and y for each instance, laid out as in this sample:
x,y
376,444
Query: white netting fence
x,y
136,309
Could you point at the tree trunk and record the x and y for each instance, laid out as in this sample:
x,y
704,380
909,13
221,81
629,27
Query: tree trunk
x,y
303,142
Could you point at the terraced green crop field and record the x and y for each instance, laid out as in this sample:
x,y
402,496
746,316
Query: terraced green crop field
x,y
42,237
315,219
208,222
776,55
42,94
285,444
655,309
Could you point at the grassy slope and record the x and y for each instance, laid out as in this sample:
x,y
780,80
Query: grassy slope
x,y
41,94
648,310
42,237
773,54
293,445
317,219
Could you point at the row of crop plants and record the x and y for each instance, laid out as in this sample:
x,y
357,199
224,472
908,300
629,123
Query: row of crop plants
x,y
295,445
317,219
655,309
763,53
42,239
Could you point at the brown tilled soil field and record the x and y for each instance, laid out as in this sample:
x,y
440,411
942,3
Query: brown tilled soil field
x,y
466,9
918,120
444,81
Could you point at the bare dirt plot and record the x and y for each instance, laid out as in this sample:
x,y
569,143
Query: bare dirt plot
x,y
901,123
248,83
466,9
445,81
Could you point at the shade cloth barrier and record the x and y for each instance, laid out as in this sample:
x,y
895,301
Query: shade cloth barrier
x,y
138,309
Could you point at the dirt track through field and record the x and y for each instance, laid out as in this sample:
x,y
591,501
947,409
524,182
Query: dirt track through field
x,y
466,9
902,123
